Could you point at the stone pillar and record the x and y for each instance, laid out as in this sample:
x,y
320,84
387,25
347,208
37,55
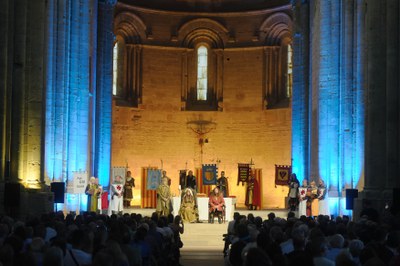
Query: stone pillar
x,y
382,101
21,89
392,94
300,95
375,145
68,128
103,98
6,51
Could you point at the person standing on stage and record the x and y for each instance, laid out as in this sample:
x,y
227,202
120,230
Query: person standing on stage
x,y
222,184
323,203
293,192
252,194
303,198
93,190
191,181
117,189
164,175
128,189
312,204
164,204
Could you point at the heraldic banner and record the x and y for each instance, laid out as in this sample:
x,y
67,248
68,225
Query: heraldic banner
x,y
209,174
282,174
153,178
243,173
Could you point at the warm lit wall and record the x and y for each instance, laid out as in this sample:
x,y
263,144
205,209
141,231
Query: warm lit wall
x,y
157,133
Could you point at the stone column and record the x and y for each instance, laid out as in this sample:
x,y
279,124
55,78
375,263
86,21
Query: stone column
x,y
375,145
300,95
392,94
6,51
103,104
70,41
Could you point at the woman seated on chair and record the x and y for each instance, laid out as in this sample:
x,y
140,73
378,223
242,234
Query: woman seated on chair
x,y
216,205
187,211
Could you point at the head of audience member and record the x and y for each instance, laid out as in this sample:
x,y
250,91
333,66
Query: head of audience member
x,y
336,241
271,216
257,257
344,258
355,247
319,246
53,257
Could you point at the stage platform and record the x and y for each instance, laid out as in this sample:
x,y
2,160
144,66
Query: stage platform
x,y
281,213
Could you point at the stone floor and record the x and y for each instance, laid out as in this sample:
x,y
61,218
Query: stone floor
x,y
203,244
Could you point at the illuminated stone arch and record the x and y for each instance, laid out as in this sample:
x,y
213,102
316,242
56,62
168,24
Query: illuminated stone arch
x,y
214,36
130,27
276,29
129,30
203,29
276,34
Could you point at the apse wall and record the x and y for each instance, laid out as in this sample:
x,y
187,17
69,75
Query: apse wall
x,y
157,133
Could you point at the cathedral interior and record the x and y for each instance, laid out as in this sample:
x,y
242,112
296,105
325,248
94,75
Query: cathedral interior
x,y
88,85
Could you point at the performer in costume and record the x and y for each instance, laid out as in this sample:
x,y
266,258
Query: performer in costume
x,y
164,205
312,204
93,190
323,203
188,211
216,205
293,192
128,189
117,189
222,184
191,181
252,194
164,175
303,198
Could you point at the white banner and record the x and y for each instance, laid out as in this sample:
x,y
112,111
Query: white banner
x,y
117,170
78,183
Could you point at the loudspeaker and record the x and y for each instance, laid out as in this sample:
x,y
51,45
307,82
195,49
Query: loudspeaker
x,y
396,200
12,194
351,194
58,188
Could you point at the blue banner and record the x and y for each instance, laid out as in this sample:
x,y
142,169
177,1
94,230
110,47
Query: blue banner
x,y
153,179
209,174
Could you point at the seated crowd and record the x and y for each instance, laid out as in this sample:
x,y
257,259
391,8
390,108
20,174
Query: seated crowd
x,y
131,239
91,239
315,241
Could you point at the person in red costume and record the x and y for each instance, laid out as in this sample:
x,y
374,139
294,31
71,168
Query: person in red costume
x,y
216,205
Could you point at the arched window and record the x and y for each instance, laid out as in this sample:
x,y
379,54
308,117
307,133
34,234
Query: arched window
x,y
289,81
115,68
202,73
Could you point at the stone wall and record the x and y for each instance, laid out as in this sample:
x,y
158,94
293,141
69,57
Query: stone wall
x,y
158,134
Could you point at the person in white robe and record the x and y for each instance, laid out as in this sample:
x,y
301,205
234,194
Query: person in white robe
x,y
303,198
323,201
117,189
